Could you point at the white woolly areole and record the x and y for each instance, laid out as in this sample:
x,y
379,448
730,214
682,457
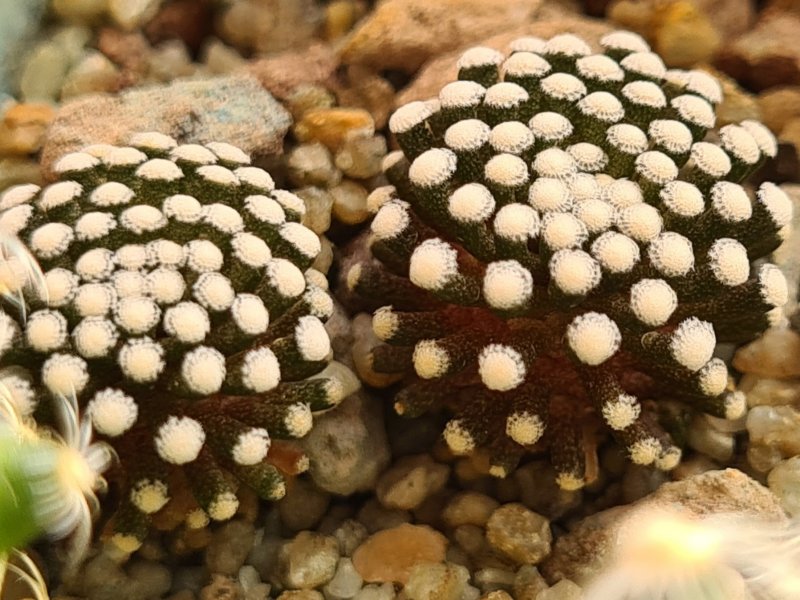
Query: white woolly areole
x,y
671,254
94,299
642,222
524,428
165,253
511,137
59,194
622,193
713,377
506,170
458,438
391,220
656,167
131,256
188,322
203,256
728,261
229,153
94,225
51,240
94,337
648,64
644,451
18,194
622,412
507,284
432,167
550,126
624,40
183,208
567,44
459,94
602,106
593,337
433,263
590,158
98,150
574,272
15,219
740,143
682,198
152,140
430,359
46,330
141,359
317,278
112,193
548,194
142,218
692,343
584,187
311,338
9,332
674,136
505,95
471,203
61,285
764,138
644,93
21,392
149,495
159,169
627,138
710,159
616,253
219,175
179,440
528,43
65,374
285,277
290,201
385,323
96,264
525,64
380,196
774,289
735,405
554,162
112,412
124,157
599,67
562,230
194,153
265,209
213,291
653,301
596,214
223,217
777,203
261,371
128,284
694,109
255,177
516,222
75,162
479,56
251,447
137,314
705,85
466,135
731,201
223,507
409,116
203,370
250,314
301,238
501,367
563,86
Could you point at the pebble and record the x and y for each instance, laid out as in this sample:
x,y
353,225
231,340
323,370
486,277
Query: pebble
x,y
229,547
469,508
312,165
768,391
391,554
497,595
520,534
376,592
719,445
779,106
364,341
471,539
775,426
332,126
377,517
170,60
251,584
494,579
19,20
186,20
93,74
528,583
639,481
361,157
563,590
221,587
345,583
301,595
784,481
774,354
350,535
436,582
268,26
340,16
80,11
539,492
221,59
306,97
308,560
46,68
23,127
363,88
303,506
318,208
410,481
132,14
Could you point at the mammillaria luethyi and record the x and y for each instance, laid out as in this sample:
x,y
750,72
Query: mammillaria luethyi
x,y
565,240
182,312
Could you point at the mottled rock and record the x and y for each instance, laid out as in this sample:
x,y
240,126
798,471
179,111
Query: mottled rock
x,y
283,73
520,534
345,583
376,592
410,481
768,391
775,426
580,554
23,127
436,582
528,583
469,508
312,164
779,106
267,26
563,590
233,109
332,126
129,50
308,561
775,354
361,157
784,482
390,555
347,447
350,203
186,20
221,587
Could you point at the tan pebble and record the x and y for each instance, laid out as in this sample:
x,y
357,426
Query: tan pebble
x,y
775,354
23,127
332,126
350,203
779,106
520,534
469,508
391,554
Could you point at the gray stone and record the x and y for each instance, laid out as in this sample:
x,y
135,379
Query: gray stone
x,y
345,583
229,547
410,481
303,505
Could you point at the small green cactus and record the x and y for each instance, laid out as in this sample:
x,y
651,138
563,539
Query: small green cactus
x,y
181,312
565,240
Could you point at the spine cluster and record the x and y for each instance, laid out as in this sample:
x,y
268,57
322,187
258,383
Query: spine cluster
x,y
565,239
180,309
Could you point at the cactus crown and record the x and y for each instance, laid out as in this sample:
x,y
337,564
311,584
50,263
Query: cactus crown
x,y
565,239
180,310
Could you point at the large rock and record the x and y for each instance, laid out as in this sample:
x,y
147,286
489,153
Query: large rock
x,y
582,553
235,109
18,21
282,73
403,34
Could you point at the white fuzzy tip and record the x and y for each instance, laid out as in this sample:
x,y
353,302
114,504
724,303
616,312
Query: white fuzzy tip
x,y
203,370
740,143
616,253
223,507
693,343
657,167
430,359
229,153
728,261
621,412
653,301
705,85
624,40
567,44
528,44
149,495
550,126
507,285
385,323
563,86
298,420
764,138
731,202
65,374
590,158
574,272
312,339
695,110
602,106
563,230
408,116
501,367
647,64
432,167
466,135
570,482
627,138
505,95
593,337
600,68
159,169
179,440
94,337
458,438
682,198
152,140
46,330
644,93
471,203
524,428
710,159
251,447
112,411
460,94
506,170
777,203
525,64
774,289
641,222
433,263
622,193
555,162
391,220
596,214
141,359
713,377
261,371
674,136
548,194
480,56
735,405
256,178
671,254
380,196
75,162
644,451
